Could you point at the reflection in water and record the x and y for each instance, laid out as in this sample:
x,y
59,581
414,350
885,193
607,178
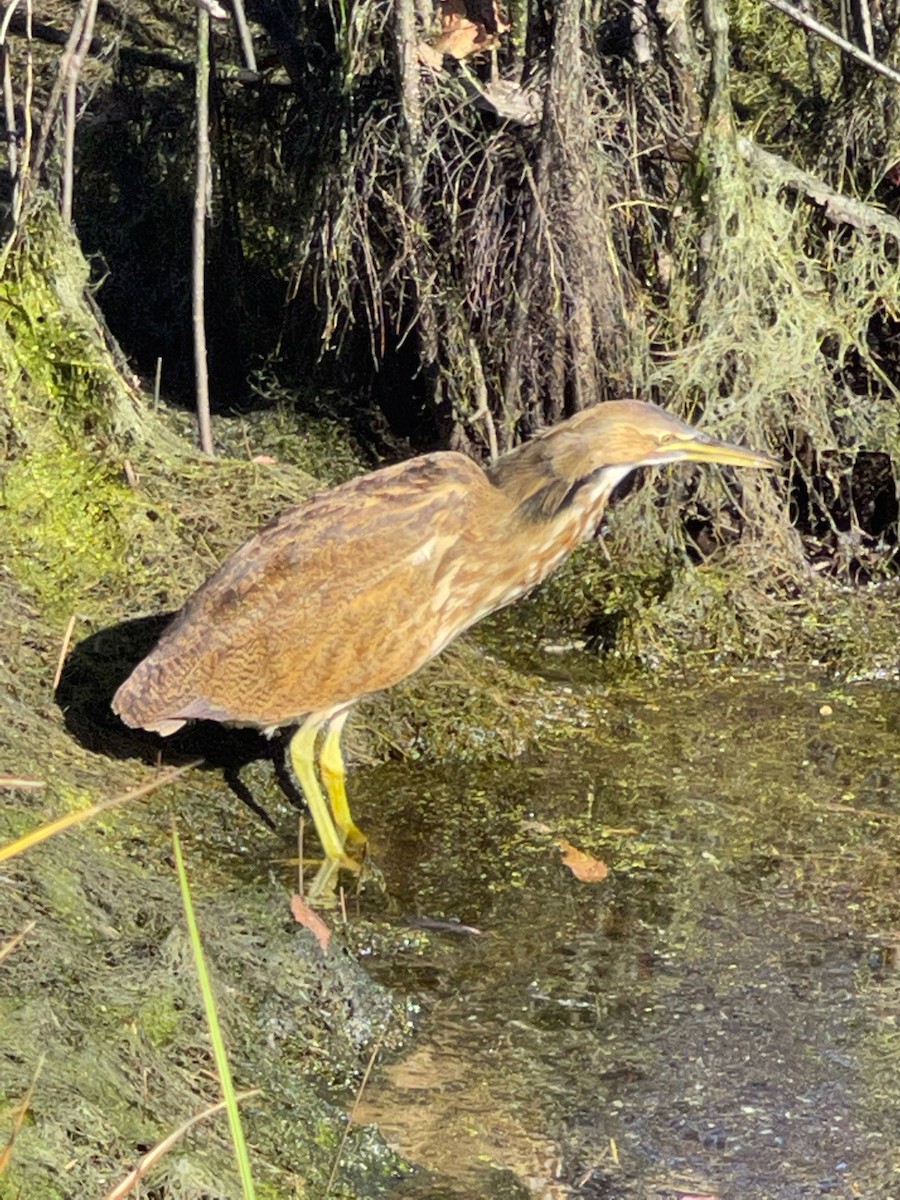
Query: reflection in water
x,y
449,1114
719,1017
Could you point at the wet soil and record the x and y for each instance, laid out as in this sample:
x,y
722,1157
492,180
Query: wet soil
x,y
718,1017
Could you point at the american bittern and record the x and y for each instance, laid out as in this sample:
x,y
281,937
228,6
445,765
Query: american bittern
x,y
359,586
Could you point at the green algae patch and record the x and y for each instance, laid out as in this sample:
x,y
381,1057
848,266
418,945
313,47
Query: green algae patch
x,y
66,535
158,1018
65,502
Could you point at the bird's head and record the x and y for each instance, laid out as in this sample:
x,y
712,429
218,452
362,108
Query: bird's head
x,y
599,446
632,433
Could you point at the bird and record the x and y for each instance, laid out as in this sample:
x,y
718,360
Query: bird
x,y
357,587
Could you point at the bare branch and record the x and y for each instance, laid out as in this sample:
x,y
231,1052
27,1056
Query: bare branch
x,y
240,21
49,115
85,24
829,35
156,60
838,208
9,108
201,203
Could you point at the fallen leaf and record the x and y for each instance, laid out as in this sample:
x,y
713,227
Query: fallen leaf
x,y
310,919
583,866
468,27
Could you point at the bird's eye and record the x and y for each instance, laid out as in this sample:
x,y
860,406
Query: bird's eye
x,y
665,438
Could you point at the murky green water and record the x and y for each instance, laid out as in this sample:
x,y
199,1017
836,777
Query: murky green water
x,y
719,1017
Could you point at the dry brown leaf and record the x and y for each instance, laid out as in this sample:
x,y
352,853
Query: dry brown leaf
x,y
484,13
310,919
468,27
583,866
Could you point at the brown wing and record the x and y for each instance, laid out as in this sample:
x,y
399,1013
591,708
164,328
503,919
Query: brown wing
x,y
330,600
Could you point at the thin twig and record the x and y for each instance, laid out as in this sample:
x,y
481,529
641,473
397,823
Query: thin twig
x,y
829,35
350,1116
301,830
51,828
9,105
16,940
201,204
26,168
63,651
25,783
20,1112
48,117
155,1154
23,159
76,62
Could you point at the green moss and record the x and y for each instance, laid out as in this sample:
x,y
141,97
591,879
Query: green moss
x,y
158,1018
65,532
63,500
48,337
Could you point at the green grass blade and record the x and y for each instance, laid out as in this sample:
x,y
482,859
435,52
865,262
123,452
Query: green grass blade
x,y
215,1030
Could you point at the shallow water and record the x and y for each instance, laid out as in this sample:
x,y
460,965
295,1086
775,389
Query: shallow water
x,y
718,1018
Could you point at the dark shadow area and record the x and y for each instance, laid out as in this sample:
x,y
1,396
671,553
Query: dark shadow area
x,y
845,506
133,213
93,672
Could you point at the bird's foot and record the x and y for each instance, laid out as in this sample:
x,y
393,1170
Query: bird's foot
x,y
353,836
323,890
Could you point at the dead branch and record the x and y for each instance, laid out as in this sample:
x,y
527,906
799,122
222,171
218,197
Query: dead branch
x,y
240,21
9,109
85,25
829,35
201,205
837,208
157,60
49,114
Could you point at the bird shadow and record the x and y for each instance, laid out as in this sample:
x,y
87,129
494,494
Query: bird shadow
x,y
96,667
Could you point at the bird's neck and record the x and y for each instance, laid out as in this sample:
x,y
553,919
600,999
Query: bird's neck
x,y
550,515
532,520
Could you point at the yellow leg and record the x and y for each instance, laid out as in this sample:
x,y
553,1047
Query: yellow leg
x,y
331,768
302,750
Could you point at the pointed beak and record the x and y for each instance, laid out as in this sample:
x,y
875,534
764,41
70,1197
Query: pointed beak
x,y
700,447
